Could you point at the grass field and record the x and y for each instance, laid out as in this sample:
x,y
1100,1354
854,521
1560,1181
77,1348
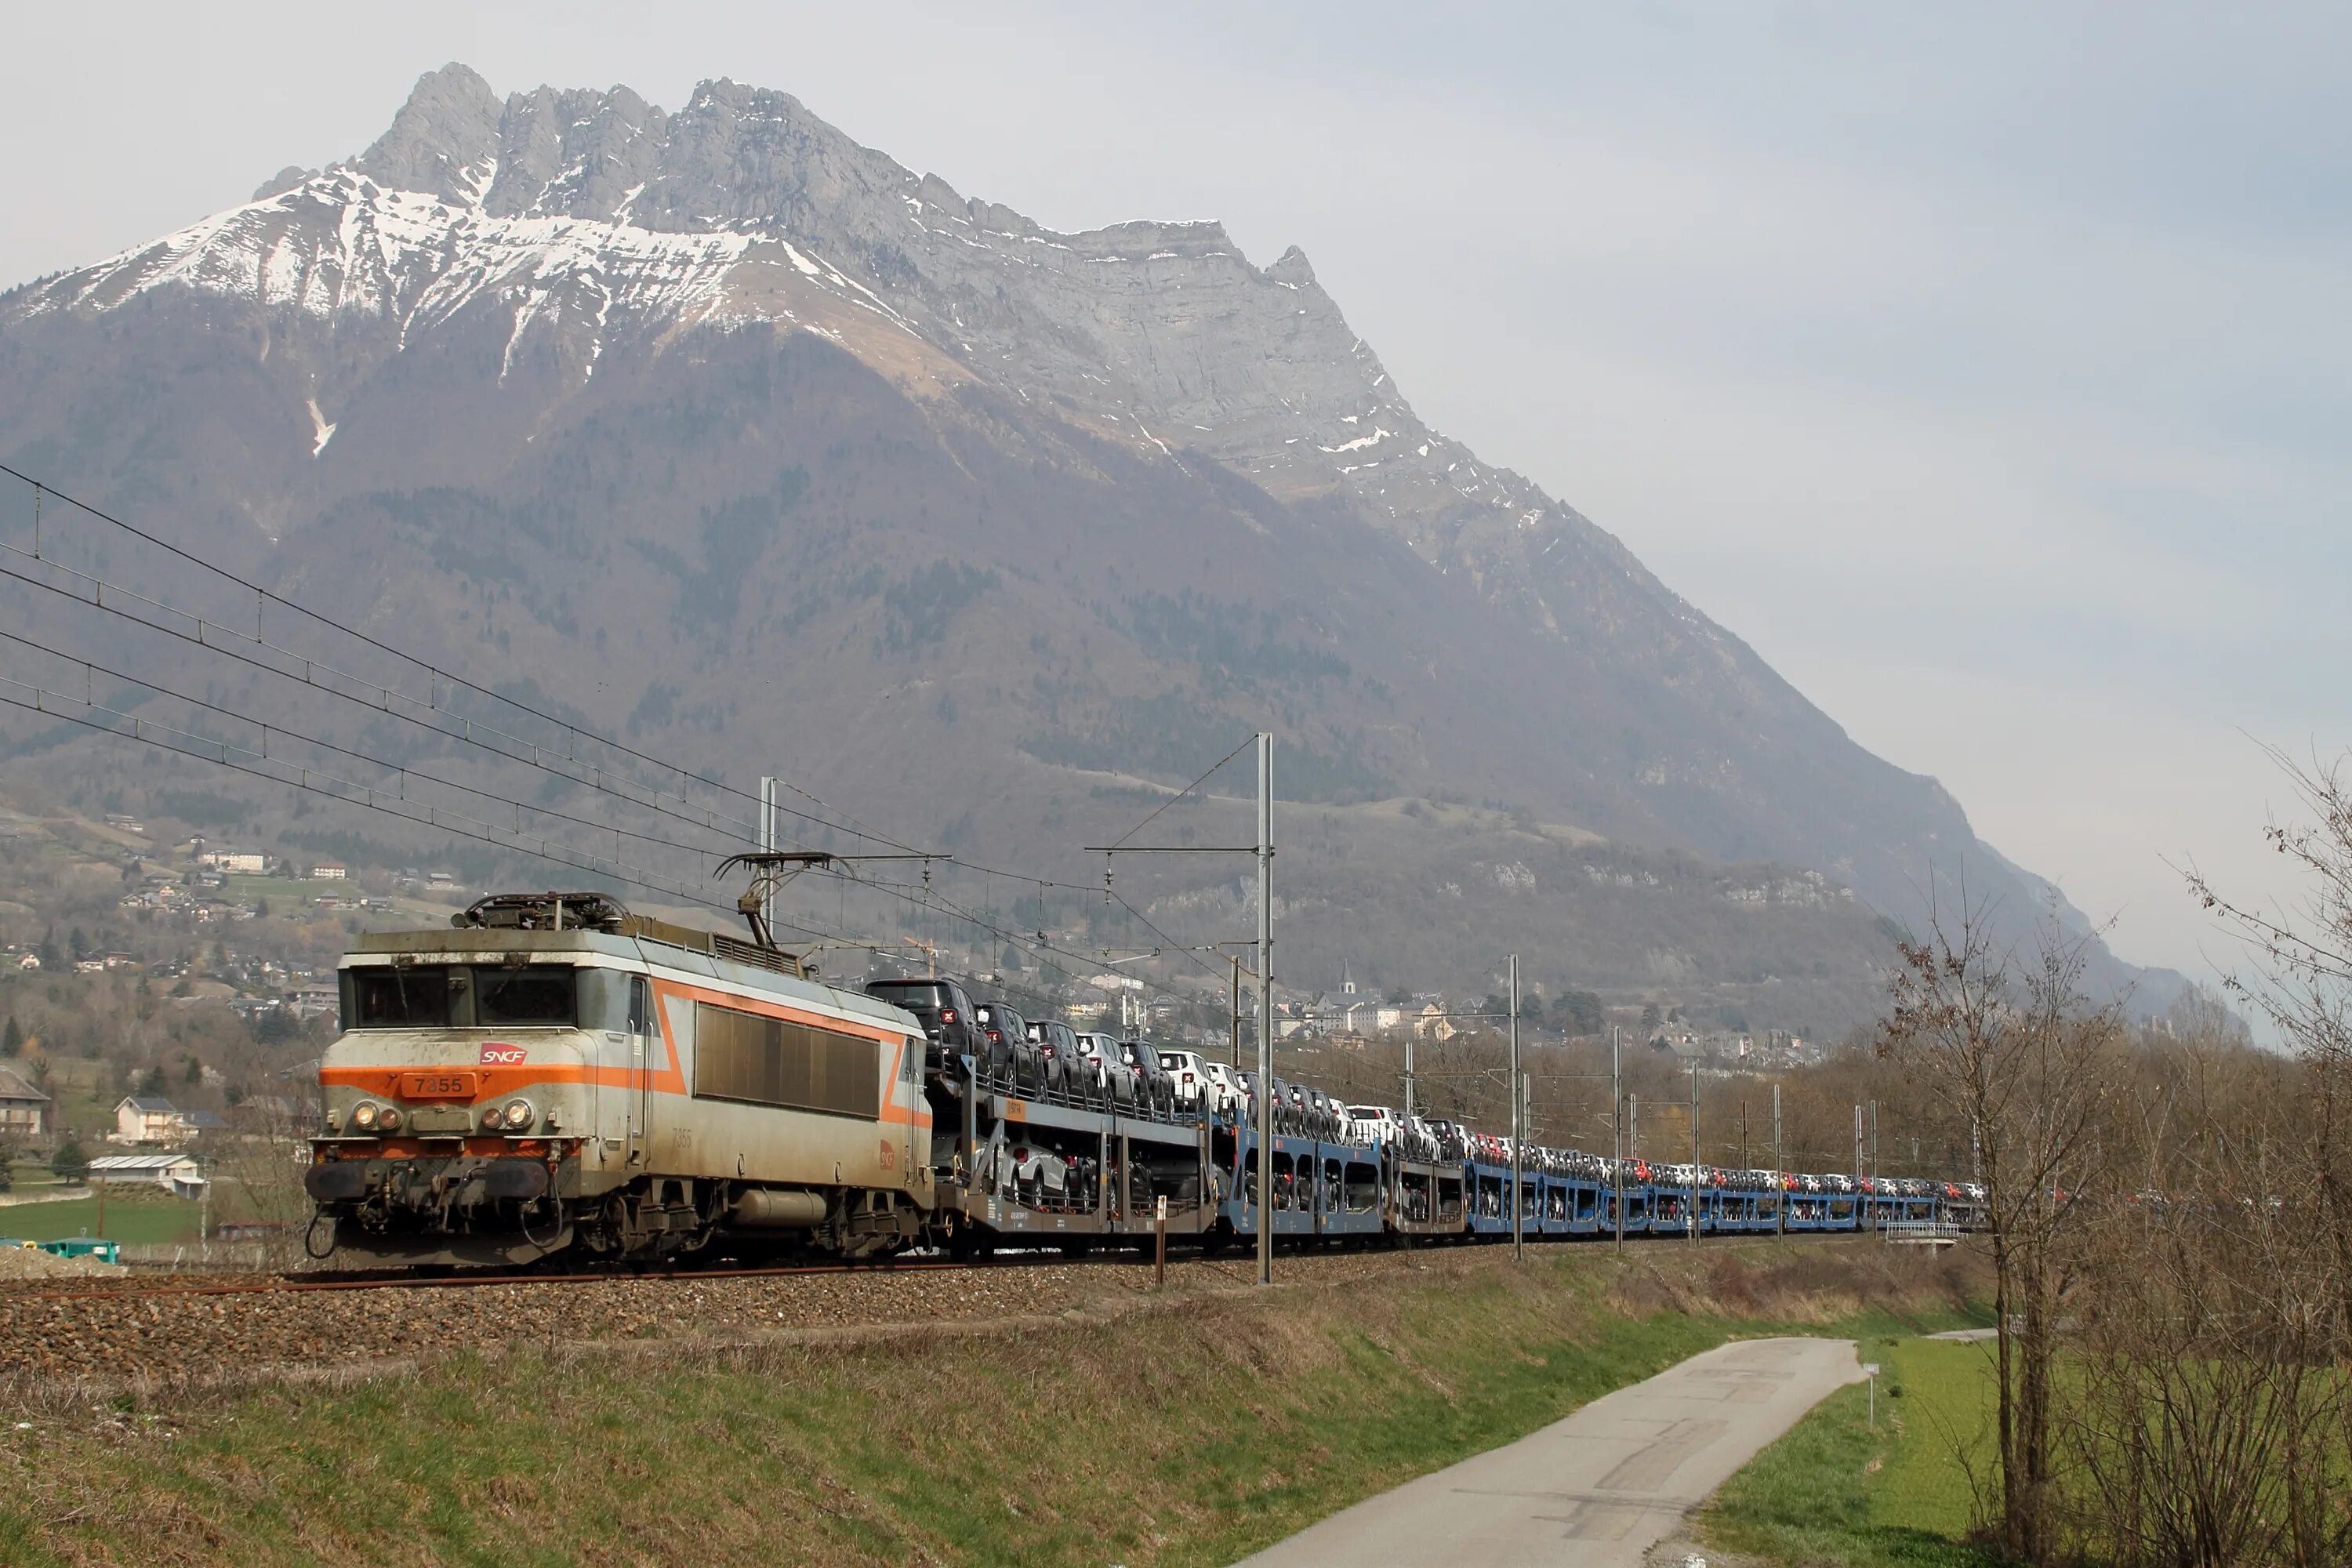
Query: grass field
x,y
134,1213
128,1218
1190,1432
1836,1493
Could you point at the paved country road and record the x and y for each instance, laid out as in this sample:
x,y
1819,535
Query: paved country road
x,y
1598,1490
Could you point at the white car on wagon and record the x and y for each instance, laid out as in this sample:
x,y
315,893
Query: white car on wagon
x,y
1225,1090
1195,1091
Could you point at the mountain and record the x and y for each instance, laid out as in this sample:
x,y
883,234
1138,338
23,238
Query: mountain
x,y
745,441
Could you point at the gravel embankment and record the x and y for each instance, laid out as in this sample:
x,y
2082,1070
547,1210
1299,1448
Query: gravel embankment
x,y
135,1334
19,1263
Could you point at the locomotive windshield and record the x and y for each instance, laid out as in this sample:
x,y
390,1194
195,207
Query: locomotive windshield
x,y
537,993
389,998
439,997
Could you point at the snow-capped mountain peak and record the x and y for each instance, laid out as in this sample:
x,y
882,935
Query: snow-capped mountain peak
x,y
600,217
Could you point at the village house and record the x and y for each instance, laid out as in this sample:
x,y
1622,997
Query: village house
x,y
140,1119
329,872
235,862
178,1174
24,1109
315,1000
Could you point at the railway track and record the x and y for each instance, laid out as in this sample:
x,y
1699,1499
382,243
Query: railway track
x,y
74,1334
308,1281
321,1280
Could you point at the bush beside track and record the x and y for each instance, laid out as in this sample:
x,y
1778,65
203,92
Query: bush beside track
x,y
1097,1422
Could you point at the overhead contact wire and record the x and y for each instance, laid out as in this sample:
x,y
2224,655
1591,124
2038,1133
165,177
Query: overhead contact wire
x,y
392,701
403,770
435,671
470,733
205,749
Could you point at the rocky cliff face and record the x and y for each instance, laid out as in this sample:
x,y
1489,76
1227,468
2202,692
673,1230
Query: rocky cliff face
x,y
1191,499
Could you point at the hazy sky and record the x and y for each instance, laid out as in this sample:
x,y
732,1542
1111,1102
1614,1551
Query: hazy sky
x,y
1985,366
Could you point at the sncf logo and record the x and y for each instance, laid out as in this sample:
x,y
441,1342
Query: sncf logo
x,y
495,1055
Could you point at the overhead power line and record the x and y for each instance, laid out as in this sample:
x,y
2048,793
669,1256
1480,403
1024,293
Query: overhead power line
x,y
384,697
386,702
1020,942
431,714
434,672
402,772
1180,793
240,759
113,599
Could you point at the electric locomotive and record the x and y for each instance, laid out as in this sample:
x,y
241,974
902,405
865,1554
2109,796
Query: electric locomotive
x,y
554,1075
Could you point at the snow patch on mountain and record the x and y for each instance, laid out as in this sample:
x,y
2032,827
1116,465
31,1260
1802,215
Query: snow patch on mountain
x,y
342,245
321,432
580,218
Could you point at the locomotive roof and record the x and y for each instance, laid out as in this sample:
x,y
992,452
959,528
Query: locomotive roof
x,y
465,946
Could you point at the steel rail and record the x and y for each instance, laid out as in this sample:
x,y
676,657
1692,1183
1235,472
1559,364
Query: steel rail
x,y
302,1284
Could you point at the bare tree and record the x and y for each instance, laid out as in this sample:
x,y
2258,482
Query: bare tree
x,y
2200,1428
2305,983
2013,1049
265,1155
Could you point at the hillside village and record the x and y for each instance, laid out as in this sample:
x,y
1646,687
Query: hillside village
x,y
165,993
163,990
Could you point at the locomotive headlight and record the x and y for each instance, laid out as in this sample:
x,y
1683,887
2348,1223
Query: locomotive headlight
x,y
493,1118
389,1118
519,1114
363,1115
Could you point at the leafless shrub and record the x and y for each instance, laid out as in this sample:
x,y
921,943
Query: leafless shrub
x,y
2209,1420
2014,1051
2205,1427
265,1153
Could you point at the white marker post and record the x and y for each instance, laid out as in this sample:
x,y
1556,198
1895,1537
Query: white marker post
x,y
1159,1248
1870,1371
